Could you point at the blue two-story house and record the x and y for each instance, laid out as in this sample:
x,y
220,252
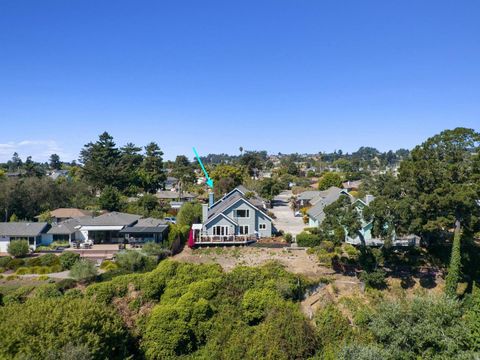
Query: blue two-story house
x,y
233,219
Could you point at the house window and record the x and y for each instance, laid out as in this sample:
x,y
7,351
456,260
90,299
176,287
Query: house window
x,y
220,230
243,230
242,213
262,226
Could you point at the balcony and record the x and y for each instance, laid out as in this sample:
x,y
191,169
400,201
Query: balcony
x,y
226,239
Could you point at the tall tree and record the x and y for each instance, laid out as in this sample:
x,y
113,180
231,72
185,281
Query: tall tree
x,y
32,168
341,218
436,193
182,169
454,270
54,162
130,162
328,180
253,161
226,177
101,162
16,162
436,187
152,174
110,199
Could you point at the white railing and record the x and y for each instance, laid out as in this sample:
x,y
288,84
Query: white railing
x,y
226,239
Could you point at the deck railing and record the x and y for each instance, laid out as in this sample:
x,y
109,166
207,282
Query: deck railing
x,y
226,239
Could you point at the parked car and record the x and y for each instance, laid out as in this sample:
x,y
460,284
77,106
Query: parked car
x,y
171,220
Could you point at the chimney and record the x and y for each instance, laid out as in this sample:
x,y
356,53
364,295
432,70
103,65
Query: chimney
x,y
204,213
210,199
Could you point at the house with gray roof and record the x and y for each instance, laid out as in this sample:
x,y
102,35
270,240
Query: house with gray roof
x,y
233,219
252,196
146,230
321,200
31,231
66,230
105,229
305,198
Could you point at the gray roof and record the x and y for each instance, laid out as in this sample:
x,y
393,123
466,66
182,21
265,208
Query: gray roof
x,y
308,195
150,222
147,225
22,228
65,227
223,205
256,199
330,196
110,219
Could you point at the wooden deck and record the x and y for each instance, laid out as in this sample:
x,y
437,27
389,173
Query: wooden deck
x,y
226,240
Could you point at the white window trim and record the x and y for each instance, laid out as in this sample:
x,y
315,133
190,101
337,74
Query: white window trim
x,y
244,226
226,230
264,226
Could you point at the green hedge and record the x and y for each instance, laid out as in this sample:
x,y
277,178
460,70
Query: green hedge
x,y
307,239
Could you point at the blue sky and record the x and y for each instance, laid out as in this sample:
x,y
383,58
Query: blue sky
x,y
284,76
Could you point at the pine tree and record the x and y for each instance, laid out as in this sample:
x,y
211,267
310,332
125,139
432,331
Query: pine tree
x,y
454,269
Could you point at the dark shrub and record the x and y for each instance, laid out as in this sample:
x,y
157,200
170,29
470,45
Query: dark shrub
x,y
374,279
33,261
4,260
307,239
19,248
66,284
68,259
49,260
14,264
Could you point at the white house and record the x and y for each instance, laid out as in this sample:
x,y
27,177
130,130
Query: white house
x,y
31,231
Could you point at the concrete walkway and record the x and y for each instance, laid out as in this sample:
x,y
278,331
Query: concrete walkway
x,y
286,220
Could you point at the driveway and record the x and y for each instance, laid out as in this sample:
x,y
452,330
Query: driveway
x,y
286,220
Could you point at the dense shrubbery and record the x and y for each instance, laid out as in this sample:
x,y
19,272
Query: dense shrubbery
x,y
44,326
68,259
199,311
83,270
374,279
18,248
133,261
308,239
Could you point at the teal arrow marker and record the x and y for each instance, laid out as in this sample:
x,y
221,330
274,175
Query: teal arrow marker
x,y
209,181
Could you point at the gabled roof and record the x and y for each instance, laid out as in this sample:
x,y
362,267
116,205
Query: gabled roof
x,y
214,211
20,229
255,200
69,213
65,227
330,196
222,215
110,219
308,195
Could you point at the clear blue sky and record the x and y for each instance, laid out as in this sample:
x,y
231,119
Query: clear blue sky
x,y
284,76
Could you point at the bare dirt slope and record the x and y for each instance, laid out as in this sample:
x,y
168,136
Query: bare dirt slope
x,y
296,261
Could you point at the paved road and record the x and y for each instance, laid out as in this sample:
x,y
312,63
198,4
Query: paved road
x,y
285,220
